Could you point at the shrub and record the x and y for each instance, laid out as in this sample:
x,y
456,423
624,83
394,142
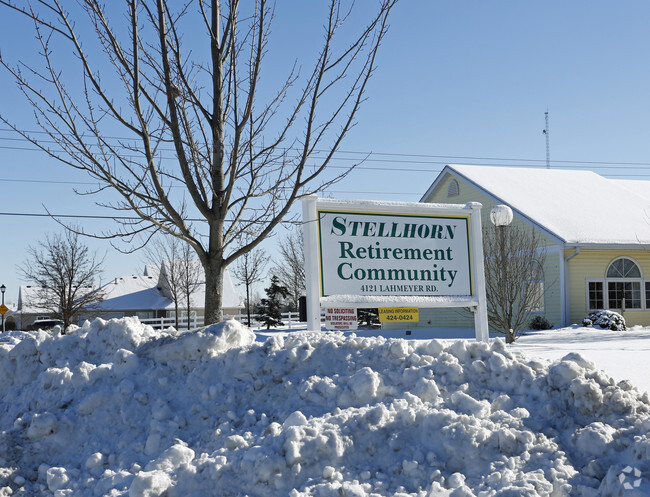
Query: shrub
x,y
540,323
606,320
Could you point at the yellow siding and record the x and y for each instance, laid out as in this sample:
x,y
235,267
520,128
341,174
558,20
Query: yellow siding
x,y
592,265
462,318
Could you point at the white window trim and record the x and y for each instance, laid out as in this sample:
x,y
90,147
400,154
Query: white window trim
x,y
604,281
596,280
641,283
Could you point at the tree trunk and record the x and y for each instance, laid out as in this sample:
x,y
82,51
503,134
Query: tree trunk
x,y
248,304
213,291
188,296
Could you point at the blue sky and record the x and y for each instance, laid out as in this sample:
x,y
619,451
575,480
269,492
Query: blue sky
x,y
458,81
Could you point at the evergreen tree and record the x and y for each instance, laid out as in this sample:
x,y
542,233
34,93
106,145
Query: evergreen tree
x,y
270,309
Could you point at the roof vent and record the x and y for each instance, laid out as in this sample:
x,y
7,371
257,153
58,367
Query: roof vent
x,y
453,189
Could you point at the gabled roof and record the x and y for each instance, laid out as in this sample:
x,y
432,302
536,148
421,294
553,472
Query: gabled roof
x,y
231,298
580,208
137,293
132,293
29,296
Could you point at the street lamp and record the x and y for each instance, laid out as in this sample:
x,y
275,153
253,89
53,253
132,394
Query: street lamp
x,y
3,289
501,216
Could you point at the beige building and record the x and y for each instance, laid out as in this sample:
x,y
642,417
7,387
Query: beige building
x,y
596,232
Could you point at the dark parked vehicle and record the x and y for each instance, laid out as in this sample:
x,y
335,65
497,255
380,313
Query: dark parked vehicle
x,y
45,324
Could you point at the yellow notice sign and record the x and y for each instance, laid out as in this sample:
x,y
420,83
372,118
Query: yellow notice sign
x,y
398,314
3,309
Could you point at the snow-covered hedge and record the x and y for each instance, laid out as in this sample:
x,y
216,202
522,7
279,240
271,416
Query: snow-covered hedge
x,y
605,319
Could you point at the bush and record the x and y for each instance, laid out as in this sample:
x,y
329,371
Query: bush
x,y
605,319
540,323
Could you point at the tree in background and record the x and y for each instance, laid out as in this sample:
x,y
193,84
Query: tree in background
x,y
248,270
180,272
66,274
191,278
290,270
165,253
270,310
206,152
514,278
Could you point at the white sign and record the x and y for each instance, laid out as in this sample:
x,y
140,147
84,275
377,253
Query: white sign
x,y
341,319
408,255
365,253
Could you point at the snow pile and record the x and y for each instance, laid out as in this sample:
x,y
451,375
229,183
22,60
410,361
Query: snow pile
x,y
116,409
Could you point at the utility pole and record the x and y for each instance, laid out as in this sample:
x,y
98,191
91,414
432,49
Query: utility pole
x,y
547,132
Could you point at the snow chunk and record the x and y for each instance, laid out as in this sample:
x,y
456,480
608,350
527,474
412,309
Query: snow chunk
x,y
57,478
150,484
172,458
200,344
594,438
362,387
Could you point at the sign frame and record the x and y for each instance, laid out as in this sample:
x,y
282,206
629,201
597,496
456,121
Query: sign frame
x,y
475,299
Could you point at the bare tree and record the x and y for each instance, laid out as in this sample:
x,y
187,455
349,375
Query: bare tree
x,y
514,277
191,277
180,272
189,75
249,269
165,253
66,274
290,270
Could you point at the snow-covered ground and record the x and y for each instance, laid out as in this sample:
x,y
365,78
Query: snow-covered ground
x,y
116,409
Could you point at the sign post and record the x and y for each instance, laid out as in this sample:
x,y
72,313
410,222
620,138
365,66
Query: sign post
x,y
393,255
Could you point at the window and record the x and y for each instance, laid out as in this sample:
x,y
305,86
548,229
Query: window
x,y
596,300
453,189
624,295
534,295
623,287
623,268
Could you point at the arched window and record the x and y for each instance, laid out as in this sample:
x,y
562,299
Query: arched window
x,y
623,284
623,268
452,188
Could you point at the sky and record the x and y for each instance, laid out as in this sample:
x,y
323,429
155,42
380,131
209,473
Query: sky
x,y
462,81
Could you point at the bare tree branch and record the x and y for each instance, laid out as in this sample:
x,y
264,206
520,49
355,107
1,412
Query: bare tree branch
x,y
242,153
66,275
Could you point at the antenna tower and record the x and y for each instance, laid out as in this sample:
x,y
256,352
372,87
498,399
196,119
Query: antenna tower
x,y
547,132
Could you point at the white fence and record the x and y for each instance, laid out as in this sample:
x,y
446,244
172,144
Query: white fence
x,y
290,319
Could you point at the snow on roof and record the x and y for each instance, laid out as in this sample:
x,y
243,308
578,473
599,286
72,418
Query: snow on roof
x,y
136,293
141,292
29,296
132,293
152,270
231,297
636,186
578,207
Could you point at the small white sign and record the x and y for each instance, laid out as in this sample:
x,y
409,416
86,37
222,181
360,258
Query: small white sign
x,y
341,319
